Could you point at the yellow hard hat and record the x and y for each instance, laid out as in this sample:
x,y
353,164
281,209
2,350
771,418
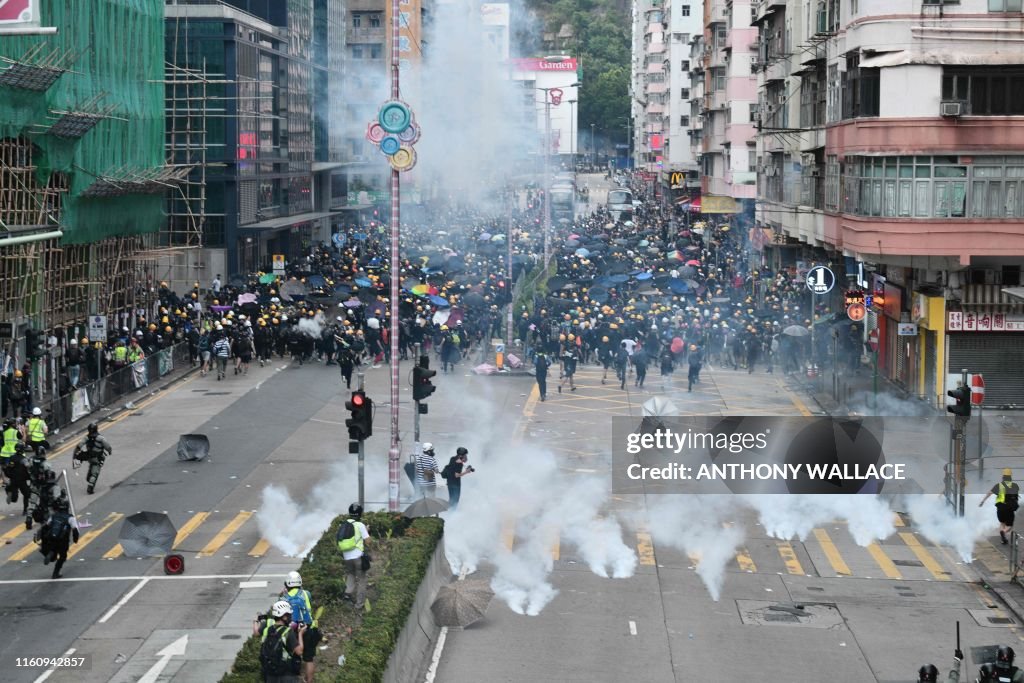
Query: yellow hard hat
x,y
1007,472
164,320
152,326
85,340
444,328
17,373
572,337
276,321
168,329
604,339
561,337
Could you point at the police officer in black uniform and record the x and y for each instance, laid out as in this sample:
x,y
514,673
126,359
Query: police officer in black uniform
x,y
94,450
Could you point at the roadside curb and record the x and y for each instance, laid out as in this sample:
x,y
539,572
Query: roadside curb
x,y
1001,590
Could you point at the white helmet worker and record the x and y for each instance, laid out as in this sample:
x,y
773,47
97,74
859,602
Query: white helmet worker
x,y
36,411
294,580
428,447
280,609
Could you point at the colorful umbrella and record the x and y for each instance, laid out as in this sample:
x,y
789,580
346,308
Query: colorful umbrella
x,y
693,262
674,255
267,278
247,298
438,301
425,290
363,282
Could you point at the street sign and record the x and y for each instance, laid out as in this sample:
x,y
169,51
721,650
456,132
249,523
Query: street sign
x,y
856,312
906,329
278,260
873,340
6,330
98,328
820,280
977,389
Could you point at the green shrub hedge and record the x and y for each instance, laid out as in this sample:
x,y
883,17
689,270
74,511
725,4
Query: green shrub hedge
x,y
401,551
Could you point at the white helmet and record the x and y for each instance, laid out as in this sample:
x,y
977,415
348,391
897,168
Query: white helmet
x,y
37,411
294,580
428,447
280,608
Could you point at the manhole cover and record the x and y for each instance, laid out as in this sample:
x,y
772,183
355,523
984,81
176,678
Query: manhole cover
x,y
1000,620
765,613
231,636
902,588
816,589
908,595
985,618
908,563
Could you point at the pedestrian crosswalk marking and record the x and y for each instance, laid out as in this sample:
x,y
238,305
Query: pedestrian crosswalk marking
x,y
23,551
94,533
224,534
645,548
884,562
114,553
745,562
260,549
190,526
789,558
13,533
924,556
832,553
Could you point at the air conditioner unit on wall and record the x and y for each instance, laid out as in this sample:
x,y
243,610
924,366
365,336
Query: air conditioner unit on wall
x,y
952,108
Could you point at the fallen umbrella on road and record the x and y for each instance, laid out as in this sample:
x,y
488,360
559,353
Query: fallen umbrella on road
x,y
461,603
193,447
147,534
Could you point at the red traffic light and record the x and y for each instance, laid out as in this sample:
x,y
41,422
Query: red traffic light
x,y
358,400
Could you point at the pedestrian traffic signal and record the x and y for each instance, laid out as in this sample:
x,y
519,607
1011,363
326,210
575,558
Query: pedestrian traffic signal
x,y
35,344
360,425
962,395
421,374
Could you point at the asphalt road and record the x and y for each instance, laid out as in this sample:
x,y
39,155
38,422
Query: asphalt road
x,y
280,425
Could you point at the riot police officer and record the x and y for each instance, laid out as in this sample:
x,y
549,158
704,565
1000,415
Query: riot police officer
x,y
16,477
93,449
1002,669
929,673
44,490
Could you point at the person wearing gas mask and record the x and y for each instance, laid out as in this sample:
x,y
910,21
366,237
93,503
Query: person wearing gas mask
x,y
44,490
94,450
929,673
1002,670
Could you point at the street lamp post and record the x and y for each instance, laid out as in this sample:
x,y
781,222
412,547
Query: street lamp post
x,y
547,164
572,132
593,147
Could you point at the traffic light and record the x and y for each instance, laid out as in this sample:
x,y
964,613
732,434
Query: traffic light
x,y
360,425
421,374
35,344
962,395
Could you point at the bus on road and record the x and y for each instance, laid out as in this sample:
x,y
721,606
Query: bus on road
x,y
620,204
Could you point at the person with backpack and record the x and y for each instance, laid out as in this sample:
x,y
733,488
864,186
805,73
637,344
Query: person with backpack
x,y
352,538
540,371
56,535
453,473
1007,494
15,471
281,646
205,347
426,468
302,613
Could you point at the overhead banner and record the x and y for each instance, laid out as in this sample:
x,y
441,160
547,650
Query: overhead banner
x,y
711,203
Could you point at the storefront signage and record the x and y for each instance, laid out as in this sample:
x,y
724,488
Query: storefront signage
x,y
854,296
969,321
718,204
893,302
820,280
541,64
919,309
677,180
906,330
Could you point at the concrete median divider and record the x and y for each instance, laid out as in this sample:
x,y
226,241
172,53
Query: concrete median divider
x,y
415,644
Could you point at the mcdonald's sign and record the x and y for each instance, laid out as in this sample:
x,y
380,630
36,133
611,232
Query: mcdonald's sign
x,y
677,180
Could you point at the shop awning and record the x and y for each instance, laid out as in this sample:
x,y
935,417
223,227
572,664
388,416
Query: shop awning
x,y
288,221
1017,292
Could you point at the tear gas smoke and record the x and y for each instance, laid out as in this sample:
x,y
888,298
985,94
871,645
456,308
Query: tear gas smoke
x,y
312,327
939,524
294,526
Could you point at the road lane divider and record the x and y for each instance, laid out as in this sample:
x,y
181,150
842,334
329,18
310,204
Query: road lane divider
x,y
226,533
186,530
645,548
94,533
789,558
882,560
260,549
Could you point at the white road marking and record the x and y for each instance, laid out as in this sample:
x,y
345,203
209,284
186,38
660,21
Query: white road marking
x,y
49,672
253,584
632,628
178,577
326,422
123,601
435,659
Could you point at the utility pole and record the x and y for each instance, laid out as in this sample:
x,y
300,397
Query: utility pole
x,y
395,452
547,175
361,382
508,271
593,148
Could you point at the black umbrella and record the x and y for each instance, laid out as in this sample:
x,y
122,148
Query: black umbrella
x,y
292,289
556,283
598,295
618,267
193,447
236,281
147,534
473,299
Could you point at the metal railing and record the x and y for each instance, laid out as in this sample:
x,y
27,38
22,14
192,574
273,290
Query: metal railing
x,y
114,386
1016,561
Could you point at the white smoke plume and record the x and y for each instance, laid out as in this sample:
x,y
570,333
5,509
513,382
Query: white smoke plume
x,y
937,522
695,526
312,327
294,526
869,518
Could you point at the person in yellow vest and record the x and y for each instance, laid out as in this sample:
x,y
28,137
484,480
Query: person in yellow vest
x,y
119,356
36,431
11,437
135,352
1007,494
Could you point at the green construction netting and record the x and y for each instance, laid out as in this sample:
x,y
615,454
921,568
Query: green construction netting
x,y
120,47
